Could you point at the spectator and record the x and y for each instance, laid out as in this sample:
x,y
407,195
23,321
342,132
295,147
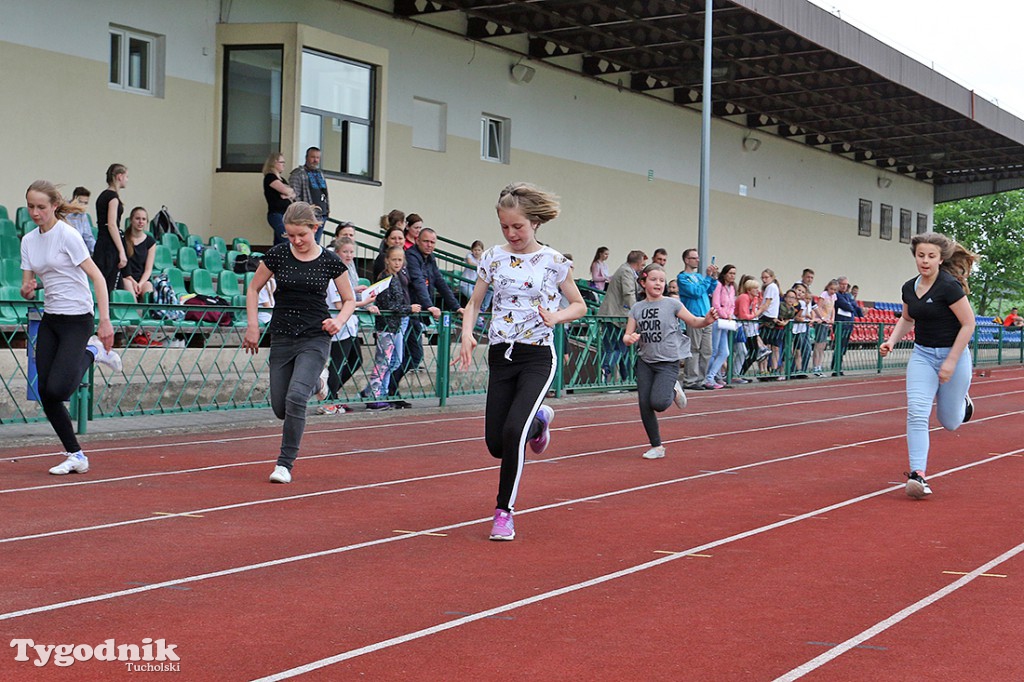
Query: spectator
x,y
139,248
278,194
599,269
771,330
309,185
789,309
822,318
695,292
65,345
660,257
413,225
801,335
391,330
855,293
749,307
618,300
346,230
723,300
109,252
1012,319
847,310
469,277
80,221
395,236
346,353
265,301
392,219
425,279
806,279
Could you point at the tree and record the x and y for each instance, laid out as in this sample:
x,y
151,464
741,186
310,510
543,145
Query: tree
x,y
991,226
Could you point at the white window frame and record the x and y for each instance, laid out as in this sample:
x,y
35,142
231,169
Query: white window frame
x,y
152,42
498,150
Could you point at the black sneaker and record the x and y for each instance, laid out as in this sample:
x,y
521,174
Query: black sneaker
x,y
377,407
401,404
968,408
917,487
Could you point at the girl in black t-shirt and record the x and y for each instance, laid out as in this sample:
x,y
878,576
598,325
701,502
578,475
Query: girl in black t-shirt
x,y
935,306
109,254
301,326
141,254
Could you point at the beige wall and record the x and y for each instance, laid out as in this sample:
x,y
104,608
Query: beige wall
x,y
62,123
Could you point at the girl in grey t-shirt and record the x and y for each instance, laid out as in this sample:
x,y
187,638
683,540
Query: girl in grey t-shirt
x,y
654,325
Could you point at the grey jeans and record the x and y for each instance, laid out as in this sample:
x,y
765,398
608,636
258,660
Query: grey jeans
x,y
295,365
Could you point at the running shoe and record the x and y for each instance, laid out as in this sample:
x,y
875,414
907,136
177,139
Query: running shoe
x,y
379,406
763,352
680,397
655,453
333,409
108,358
74,464
712,386
402,404
503,528
917,487
968,408
545,415
321,387
281,475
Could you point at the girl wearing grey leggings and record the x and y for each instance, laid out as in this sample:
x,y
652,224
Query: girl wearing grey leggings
x,y
301,326
654,324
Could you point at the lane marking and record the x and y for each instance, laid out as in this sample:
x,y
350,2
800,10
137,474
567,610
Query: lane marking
x,y
669,551
859,646
983,575
898,617
413,532
825,518
567,589
172,514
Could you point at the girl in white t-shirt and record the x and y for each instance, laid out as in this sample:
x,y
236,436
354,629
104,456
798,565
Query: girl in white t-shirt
x,y
65,346
528,280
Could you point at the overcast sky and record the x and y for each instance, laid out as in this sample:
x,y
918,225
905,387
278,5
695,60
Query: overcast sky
x,y
971,42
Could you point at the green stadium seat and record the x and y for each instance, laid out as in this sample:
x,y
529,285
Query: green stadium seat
x,y
10,247
3,212
10,272
187,260
21,215
238,241
163,258
202,283
171,241
11,314
218,243
183,230
176,279
228,285
213,260
124,314
8,228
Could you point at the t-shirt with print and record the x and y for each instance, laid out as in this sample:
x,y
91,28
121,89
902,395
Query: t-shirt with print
x,y
522,284
935,325
300,301
56,256
661,337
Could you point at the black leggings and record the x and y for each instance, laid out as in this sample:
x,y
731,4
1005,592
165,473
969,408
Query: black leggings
x,y
61,362
346,359
515,391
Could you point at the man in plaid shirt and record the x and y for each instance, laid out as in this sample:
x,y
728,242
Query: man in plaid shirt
x,y
310,186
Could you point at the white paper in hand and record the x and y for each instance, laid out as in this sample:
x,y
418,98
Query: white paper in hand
x,y
375,289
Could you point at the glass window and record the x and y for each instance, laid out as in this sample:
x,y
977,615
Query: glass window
x,y
494,138
906,216
338,99
251,111
132,61
864,219
885,221
922,223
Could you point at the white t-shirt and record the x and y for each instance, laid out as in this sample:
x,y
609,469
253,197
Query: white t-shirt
x,y
772,291
351,327
523,283
55,257
266,298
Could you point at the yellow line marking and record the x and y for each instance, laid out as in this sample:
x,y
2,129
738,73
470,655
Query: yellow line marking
x,y
191,516
665,551
416,532
983,575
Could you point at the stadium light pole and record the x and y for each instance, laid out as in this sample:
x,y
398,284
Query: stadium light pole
x,y
705,143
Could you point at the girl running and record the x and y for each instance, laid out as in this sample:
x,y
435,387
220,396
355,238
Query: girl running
x,y
653,323
301,326
528,280
935,306
65,345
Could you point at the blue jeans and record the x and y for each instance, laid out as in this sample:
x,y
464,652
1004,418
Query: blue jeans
x,y
719,352
923,388
276,221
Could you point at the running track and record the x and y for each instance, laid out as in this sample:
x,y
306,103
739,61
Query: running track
x,y
773,542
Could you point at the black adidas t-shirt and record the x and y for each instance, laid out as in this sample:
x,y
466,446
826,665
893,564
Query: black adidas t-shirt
x,y
935,325
300,301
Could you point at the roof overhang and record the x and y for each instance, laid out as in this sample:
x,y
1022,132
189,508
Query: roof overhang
x,y
784,67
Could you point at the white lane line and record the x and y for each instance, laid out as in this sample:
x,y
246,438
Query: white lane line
x,y
253,503
567,589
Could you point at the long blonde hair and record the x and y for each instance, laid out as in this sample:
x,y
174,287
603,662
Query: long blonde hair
x,y
268,165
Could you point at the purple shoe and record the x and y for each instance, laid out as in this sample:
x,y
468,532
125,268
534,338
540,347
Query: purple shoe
x,y
503,528
545,415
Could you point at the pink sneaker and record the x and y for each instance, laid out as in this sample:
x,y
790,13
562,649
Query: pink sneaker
x,y
546,415
503,528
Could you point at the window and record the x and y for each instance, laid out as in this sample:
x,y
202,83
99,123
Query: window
x,y
864,219
134,57
251,112
906,215
429,124
494,138
922,223
885,221
338,106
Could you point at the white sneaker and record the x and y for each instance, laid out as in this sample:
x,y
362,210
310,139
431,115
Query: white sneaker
x,y
109,358
74,464
281,475
321,389
655,453
680,398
